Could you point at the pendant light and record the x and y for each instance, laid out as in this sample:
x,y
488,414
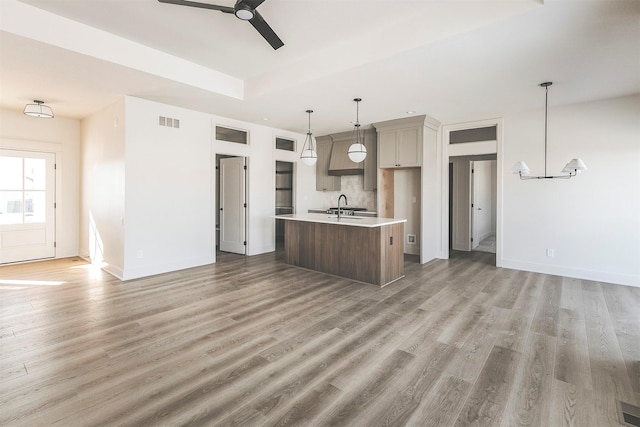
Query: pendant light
x,y
357,151
308,155
38,109
571,169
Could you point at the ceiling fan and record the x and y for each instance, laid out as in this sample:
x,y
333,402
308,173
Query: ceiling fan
x,y
243,9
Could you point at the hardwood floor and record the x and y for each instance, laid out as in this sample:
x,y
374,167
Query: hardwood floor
x,y
251,341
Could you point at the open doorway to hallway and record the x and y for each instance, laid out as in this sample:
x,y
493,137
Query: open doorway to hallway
x,y
472,203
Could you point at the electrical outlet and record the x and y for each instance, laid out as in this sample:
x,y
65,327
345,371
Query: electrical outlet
x,y
549,252
411,239
140,254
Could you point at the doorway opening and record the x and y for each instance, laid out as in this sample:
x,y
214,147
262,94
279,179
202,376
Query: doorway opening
x,y
284,198
463,143
231,204
472,203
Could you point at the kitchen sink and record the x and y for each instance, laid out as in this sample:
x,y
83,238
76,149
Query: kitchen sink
x,y
345,217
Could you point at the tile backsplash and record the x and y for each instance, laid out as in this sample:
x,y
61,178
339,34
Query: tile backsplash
x,y
352,187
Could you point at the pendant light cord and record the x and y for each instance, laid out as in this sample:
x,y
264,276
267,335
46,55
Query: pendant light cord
x,y
546,101
309,131
357,123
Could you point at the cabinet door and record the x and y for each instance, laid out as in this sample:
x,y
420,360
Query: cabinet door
x,y
371,162
408,149
387,149
325,182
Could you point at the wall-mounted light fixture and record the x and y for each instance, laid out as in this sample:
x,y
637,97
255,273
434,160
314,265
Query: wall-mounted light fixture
x,y
308,155
571,169
357,151
38,109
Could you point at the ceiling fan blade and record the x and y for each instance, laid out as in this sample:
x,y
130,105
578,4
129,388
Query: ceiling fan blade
x,y
225,9
251,3
265,30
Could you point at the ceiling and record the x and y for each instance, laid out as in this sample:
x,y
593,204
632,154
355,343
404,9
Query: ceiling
x,y
453,60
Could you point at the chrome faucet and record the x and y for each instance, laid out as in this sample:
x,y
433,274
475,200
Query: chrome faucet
x,y
345,203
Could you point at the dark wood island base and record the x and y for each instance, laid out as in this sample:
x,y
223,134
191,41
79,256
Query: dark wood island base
x,y
372,255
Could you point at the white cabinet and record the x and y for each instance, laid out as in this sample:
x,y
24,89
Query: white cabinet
x,y
400,148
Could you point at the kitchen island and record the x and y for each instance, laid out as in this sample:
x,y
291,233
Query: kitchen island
x,y
365,249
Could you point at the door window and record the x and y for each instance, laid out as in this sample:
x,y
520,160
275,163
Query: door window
x,y
22,190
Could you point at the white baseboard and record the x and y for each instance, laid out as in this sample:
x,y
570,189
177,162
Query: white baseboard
x,y
485,235
117,272
578,273
153,269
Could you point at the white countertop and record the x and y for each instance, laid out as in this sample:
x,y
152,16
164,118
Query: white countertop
x,y
355,220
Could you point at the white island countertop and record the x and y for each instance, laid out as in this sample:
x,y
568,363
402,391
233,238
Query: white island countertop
x,y
358,221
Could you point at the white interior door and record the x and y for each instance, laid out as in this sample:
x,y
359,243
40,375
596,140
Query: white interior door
x,y
481,211
232,205
27,205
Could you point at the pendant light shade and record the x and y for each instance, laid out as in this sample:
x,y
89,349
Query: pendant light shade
x,y
571,169
38,109
521,168
308,155
575,165
357,151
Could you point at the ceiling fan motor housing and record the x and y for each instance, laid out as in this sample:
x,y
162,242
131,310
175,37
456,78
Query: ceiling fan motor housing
x,y
243,11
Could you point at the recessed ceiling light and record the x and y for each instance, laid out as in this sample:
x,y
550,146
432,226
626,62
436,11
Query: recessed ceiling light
x,y
411,112
266,119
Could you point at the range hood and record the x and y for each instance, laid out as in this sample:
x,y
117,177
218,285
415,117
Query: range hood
x,y
340,163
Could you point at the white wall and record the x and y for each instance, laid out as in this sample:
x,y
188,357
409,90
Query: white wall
x,y
61,136
592,222
168,190
102,188
151,188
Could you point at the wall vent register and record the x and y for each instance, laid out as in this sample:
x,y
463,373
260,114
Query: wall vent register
x,y
168,122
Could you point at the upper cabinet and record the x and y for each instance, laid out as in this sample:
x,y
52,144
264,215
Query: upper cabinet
x,y
400,141
325,182
400,148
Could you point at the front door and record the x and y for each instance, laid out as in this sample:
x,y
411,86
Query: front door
x,y
232,205
27,205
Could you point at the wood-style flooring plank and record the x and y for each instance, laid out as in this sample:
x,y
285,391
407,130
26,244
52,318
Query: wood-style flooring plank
x,y
571,406
489,396
530,405
517,327
251,341
608,370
